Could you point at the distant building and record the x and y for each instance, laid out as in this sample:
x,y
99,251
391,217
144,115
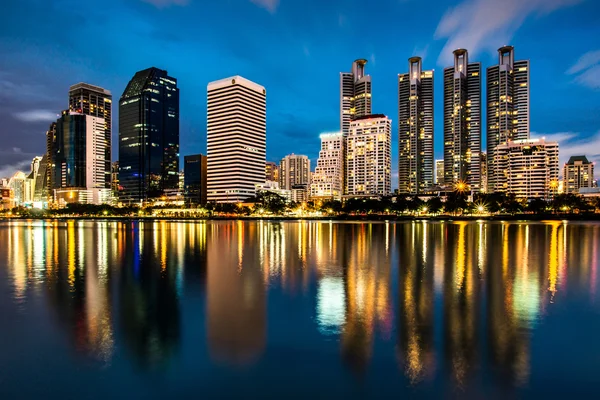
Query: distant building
x,y
529,168
300,193
484,174
79,159
369,156
149,137
237,139
439,172
115,187
194,181
355,95
415,129
462,122
578,173
507,108
93,100
271,172
294,170
6,198
327,180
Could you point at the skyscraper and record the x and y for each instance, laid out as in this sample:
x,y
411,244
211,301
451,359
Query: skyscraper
x,y
194,181
578,173
415,129
294,170
462,121
369,156
326,182
149,136
237,139
95,101
355,95
439,172
79,159
271,172
507,107
527,168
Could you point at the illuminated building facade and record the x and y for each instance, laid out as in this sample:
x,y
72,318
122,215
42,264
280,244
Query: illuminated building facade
x,y
271,172
415,129
369,156
578,173
355,95
439,172
95,101
462,121
294,170
194,186
326,181
237,139
507,108
529,168
149,137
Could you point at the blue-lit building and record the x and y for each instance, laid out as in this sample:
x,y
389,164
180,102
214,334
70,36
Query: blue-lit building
x,y
149,137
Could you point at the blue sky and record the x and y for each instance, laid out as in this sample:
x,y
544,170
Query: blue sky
x,y
296,49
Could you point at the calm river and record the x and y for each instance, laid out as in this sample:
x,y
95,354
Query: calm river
x,y
299,309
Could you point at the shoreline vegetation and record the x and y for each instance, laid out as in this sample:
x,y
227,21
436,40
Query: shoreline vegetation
x,y
270,206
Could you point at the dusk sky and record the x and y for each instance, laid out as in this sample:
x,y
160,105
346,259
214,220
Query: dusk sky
x,y
296,49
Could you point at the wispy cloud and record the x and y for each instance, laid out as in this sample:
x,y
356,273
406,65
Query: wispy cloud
x,y
269,5
587,70
36,116
167,3
573,144
488,24
419,51
6,171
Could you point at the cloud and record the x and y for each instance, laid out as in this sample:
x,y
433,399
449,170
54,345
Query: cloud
x,y
420,51
488,24
6,171
573,144
36,116
587,69
269,5
167,3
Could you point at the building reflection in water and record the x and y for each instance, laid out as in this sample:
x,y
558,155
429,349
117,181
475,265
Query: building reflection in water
x,y
457,299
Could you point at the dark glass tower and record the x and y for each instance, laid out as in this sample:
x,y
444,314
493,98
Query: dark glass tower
x,y
194,179
149,136
69,152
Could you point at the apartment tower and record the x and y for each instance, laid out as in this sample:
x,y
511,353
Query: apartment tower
x,y
237,139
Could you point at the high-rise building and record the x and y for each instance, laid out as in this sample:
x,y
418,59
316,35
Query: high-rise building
x,y
271,172
237,139
294,170
149,136
527,168
578,173
93,100
79,159
194,181
415,129
439,172
355,95
507,107
484,174
369,156
326,181
115,187
50,155
462,121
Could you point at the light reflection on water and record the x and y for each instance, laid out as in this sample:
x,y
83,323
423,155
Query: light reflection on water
x,y
451,305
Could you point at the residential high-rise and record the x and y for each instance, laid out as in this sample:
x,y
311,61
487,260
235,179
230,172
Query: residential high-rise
x,y
115,187
415,129
51,161
578,173
95,101
237,139
326,181
462,121
79,159
271,172
355,95
194,181
484,174
527,168
149,136
439,172
294,170
369,156
507,107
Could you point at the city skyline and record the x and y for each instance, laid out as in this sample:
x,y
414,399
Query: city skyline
x,y
296,116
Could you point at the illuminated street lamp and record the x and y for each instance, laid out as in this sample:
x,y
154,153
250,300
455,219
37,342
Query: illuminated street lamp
x,y
461,186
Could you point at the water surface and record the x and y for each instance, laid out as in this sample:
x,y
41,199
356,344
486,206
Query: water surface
x,y
296,309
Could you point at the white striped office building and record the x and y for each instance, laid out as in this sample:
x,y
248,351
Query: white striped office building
x,y
237,139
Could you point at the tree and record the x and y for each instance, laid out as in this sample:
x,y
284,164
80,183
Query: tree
x,y
415,204
511,205
536,205
456,202
435,205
